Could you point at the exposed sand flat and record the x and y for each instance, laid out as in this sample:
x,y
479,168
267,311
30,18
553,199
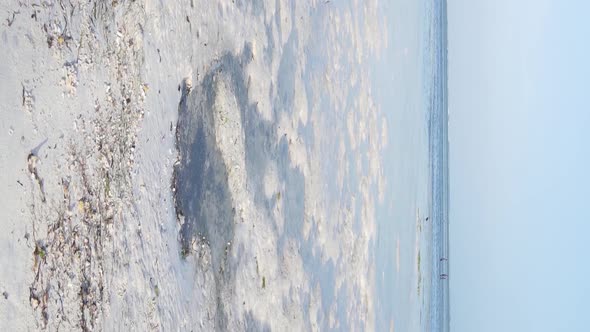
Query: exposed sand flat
x,y
177,166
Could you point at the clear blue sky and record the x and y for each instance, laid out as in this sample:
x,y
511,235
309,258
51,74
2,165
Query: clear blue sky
x,y
520,187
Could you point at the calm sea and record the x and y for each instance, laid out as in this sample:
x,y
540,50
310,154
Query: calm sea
x,y
437,93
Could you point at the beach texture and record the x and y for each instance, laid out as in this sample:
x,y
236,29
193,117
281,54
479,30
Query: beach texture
x,y
190,165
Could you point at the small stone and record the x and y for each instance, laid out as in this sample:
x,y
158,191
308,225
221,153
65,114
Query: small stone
x,y
5,294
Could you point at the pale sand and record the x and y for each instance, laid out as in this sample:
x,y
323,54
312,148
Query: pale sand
x,y
90,235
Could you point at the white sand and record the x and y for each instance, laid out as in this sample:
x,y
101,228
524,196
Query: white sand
x,y
90,236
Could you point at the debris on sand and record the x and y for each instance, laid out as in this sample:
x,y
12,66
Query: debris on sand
x,y
32,160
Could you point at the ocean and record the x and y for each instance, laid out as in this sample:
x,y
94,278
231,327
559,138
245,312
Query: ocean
x,y
439,165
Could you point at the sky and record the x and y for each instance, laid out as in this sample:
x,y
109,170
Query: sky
x,y
520,218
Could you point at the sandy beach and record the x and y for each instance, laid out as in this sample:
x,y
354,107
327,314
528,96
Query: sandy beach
x,y
164,166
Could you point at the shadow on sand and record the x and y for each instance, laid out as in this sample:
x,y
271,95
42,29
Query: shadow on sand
x,y
204,204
